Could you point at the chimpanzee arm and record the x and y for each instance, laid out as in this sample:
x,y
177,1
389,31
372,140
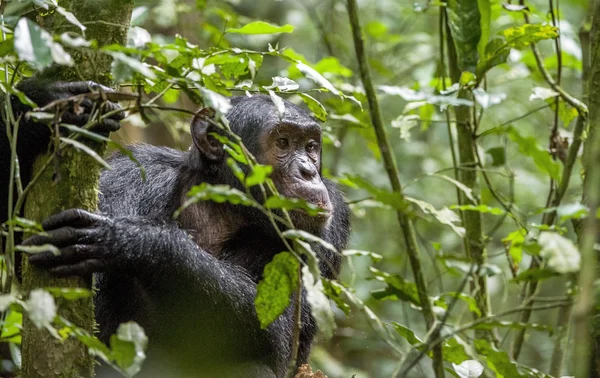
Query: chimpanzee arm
x,y
33,137
184,283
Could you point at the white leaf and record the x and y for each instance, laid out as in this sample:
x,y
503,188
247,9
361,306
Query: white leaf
x,y
218,102
405,123
41,308
468,369
560,253
283,84
444,216
319,304
542,93
5,301
316,77
278,102
138,37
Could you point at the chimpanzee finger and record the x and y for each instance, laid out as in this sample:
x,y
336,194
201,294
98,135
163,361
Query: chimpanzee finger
x,y
80,87
72,217
107,124
62,237
68,255
83,268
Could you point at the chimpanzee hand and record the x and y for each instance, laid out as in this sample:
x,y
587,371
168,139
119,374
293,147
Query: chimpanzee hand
x,y
76,111
84,240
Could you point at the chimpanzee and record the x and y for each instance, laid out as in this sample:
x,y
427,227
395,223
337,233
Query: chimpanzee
x,y
189,282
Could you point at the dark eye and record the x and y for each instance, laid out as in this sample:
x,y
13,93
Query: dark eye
x,y
282,143
312,147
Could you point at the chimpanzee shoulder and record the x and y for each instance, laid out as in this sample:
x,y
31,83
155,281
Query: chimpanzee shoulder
x,y
146,184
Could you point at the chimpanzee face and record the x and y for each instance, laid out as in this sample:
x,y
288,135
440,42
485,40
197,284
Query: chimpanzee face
x,y
294,151
291,145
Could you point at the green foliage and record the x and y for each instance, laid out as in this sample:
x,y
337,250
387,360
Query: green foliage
x,y
310,60
464,20
279,282
261,27
518,37
528,146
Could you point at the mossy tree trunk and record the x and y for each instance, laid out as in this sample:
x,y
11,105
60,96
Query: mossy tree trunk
x,y
73,183
586,316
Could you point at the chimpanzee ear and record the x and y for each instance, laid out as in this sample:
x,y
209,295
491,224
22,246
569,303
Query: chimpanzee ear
x,y
201,128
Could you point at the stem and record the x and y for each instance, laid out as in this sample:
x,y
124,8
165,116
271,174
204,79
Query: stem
x,y
393,174
560,344
472,220
530,291
297,326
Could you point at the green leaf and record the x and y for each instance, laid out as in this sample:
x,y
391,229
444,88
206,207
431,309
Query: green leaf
x,y
260,173
380,195
409,94
397,288
279,282
375,257
498,361
528,146
498,155
444,215
572,211
69,293
70,17
332,66
32,43
123,67
535,274
334,292
465,26
216,193
480,209
320,307
518,37
317,78
470,301
485,24
261,27
514,242
11,328
407,334
280,202
87,150
315,106
295,234
493,324
128,347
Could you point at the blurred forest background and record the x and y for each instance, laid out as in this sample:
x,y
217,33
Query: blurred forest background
x,y
403,46
523,129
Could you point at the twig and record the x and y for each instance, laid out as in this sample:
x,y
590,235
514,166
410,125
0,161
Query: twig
x,y
392,170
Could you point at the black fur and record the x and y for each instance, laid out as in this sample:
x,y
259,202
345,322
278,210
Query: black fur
x,y
196,305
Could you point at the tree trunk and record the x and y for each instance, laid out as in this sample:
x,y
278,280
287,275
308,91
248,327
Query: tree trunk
x,y
585,314
74,186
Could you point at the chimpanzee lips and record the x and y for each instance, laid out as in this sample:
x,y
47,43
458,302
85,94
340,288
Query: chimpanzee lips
x,y
313,194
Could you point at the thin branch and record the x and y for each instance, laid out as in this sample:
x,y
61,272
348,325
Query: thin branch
x,y
394,177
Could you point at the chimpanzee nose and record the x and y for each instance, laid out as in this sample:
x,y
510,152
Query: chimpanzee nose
x,y
307,170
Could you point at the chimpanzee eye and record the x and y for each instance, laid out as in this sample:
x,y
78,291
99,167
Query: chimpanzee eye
x,y
282,143
312,147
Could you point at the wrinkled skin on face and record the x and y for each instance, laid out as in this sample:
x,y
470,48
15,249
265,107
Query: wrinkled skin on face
x,y
294,152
